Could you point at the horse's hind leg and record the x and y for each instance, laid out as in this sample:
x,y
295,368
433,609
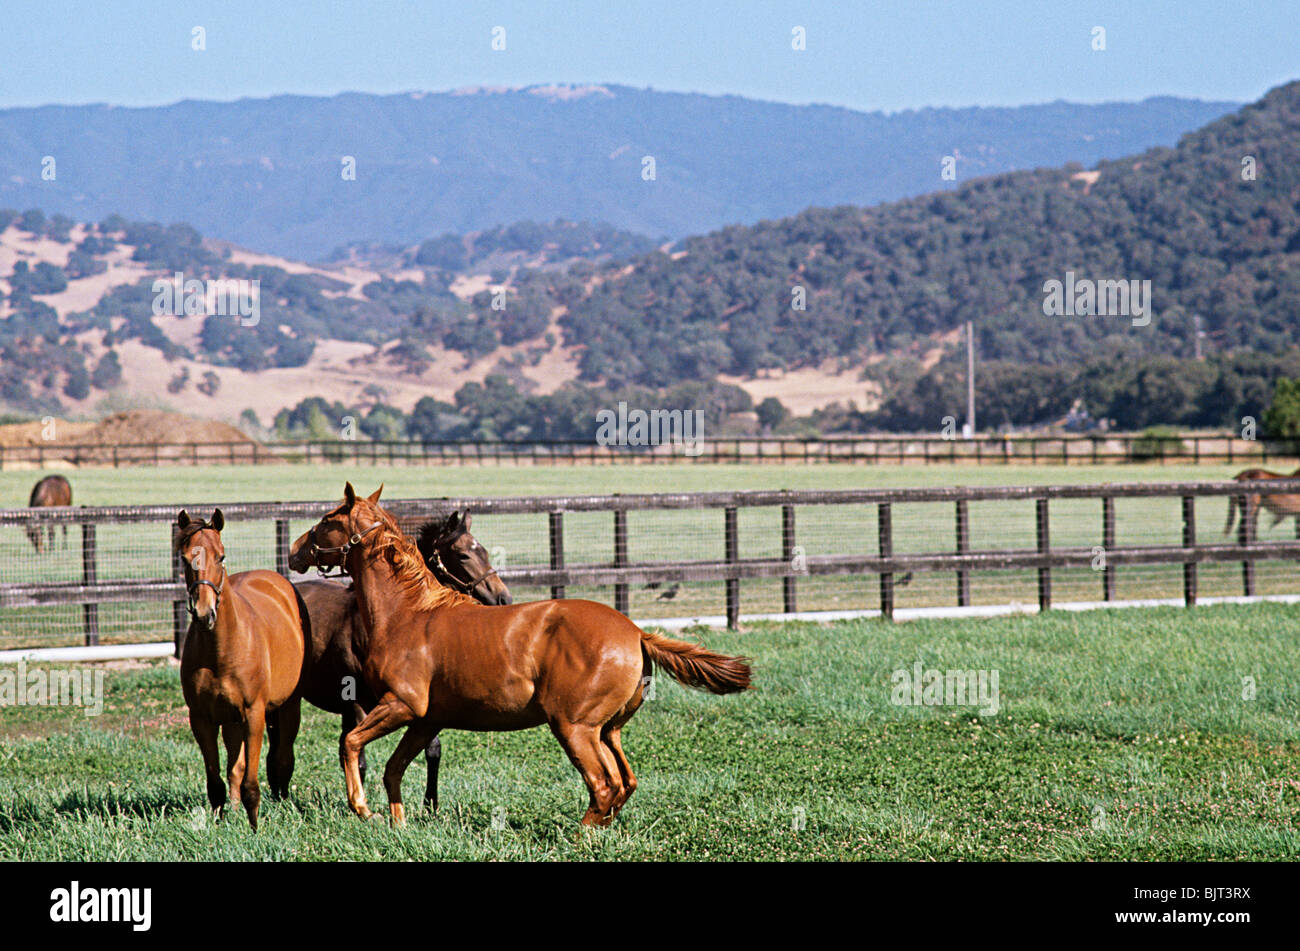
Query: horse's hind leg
x,y
432,759
415,739
612,738
205,732
282,728
596,763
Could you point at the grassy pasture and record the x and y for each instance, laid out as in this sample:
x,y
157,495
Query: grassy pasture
x,y
1120,735
141,551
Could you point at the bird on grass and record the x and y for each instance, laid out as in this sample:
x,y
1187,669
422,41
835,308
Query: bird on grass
x,y
669,593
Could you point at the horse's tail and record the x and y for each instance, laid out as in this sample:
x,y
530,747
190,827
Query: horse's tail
x,y
696,666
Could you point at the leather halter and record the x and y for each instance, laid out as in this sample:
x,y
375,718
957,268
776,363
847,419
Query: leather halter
x,y
439,568
191,601
341,550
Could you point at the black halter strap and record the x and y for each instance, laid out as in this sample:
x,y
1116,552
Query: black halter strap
x,y
191,601
446,577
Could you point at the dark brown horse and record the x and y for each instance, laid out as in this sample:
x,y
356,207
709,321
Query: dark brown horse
x,y
241,665
333,680
52,490
1277,504
439,659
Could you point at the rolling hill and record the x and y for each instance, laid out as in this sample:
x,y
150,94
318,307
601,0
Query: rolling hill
x,y
268,173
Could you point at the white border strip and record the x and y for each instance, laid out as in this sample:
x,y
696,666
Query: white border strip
x,y
165,648
99,652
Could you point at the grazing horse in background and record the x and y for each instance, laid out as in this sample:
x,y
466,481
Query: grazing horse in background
x,y
333,680
438,659
241,665
52,490
1279,505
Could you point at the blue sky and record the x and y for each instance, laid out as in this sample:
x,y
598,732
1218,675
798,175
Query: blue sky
x,y
864,55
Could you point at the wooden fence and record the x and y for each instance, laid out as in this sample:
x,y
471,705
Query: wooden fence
x,y
875,449
883,564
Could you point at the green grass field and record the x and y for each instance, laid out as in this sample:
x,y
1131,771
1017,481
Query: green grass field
x,y
1121,735
142,551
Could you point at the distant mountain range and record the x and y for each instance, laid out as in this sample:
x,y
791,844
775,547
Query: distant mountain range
x,y
271,174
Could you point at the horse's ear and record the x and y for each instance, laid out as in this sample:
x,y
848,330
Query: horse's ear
x,y
465,520
374,496
218,520
183,519
349,493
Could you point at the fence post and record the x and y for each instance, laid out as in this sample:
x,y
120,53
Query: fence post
x,y
282,546
731,553
1189,541
1044,547
180,618
1107,544
89,576
789,598
621,600
1246,536
885,543
556,520
963,546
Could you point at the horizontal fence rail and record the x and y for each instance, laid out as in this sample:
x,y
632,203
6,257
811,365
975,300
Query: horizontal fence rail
x,y
991,449
853,547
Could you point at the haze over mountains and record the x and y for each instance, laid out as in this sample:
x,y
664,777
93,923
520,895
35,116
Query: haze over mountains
x,y
267,173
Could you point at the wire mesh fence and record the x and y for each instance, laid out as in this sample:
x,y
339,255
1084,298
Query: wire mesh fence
x,y
107,575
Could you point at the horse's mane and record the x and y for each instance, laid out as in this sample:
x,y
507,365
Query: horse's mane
x,y
430,534
412,575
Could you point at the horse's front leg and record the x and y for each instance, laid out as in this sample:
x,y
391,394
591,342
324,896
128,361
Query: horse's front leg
x,y
388,715
350,720
205,732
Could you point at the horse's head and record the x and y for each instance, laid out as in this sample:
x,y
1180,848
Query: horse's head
x,y
458,560
327,543
204,556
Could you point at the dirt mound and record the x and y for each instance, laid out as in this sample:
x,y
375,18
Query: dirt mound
x,y
136,427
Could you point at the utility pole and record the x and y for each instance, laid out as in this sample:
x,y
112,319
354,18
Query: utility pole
x,y
970,380
1198,335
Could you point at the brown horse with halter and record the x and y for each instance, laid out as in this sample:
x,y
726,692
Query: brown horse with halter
x,y
1277,504
333,680
52,490
241,665
438,659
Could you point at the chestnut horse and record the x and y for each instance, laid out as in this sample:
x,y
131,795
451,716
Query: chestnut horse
x,y
1277,504
241,664
333,680
52,490
438,659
